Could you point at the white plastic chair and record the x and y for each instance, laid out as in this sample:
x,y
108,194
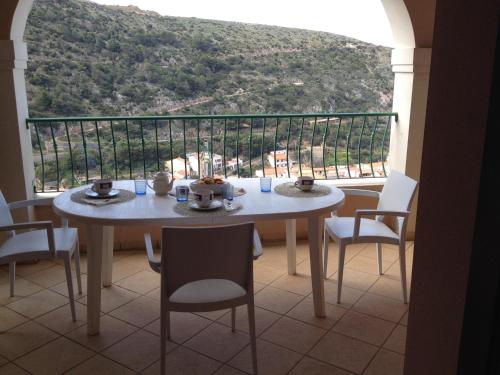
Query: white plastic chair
x,y
44,243
206,269
394,200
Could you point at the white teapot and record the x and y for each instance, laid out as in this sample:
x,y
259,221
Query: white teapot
x,y
161,183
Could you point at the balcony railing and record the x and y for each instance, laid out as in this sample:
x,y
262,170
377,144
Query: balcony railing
x,y
72,151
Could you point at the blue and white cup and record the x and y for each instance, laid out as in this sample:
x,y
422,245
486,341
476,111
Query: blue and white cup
x,y
203,197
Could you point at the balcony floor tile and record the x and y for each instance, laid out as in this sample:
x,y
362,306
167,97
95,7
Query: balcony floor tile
x,y
365,334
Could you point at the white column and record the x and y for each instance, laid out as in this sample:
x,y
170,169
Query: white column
x,y
17,172
411,81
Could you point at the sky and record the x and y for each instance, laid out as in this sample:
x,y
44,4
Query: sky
x,y
360,19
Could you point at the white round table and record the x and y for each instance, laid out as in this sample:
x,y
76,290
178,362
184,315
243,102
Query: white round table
x,y
152,209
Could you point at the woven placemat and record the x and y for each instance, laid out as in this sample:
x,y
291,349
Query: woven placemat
x,y
123,196
183,209
288,189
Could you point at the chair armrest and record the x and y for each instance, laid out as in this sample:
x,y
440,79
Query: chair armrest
x,y
368,212
36,202
371,212
47,225
27,225
31,202
361,192
257,245
154,262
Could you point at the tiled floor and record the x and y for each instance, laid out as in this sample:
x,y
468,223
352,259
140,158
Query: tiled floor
x,y
363,335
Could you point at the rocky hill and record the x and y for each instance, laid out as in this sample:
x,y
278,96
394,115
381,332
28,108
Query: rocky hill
x,y
90,59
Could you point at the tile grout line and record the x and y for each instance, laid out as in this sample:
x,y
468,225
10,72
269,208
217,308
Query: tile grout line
x,y
217,320
351,308
380,348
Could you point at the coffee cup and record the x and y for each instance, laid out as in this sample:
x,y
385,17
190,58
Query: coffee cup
x,y
102,186
203,197
304,183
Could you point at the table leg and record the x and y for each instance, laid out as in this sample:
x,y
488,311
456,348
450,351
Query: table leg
x,y
94,264
318,287
291,245
107,255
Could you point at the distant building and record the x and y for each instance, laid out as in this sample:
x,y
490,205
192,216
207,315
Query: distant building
x,y
192,160
178,167
279,159
205,166
232,164
378,169
354,172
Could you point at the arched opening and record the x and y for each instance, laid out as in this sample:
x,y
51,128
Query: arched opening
x,y
410,66
19,19
400,23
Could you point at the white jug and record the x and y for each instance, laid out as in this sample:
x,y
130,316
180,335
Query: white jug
x,y
161,183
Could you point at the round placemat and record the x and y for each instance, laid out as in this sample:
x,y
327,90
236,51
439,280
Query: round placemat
x,y
288,189
183,209
123,196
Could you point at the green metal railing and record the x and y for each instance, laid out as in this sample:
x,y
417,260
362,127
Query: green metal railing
x,y
71,151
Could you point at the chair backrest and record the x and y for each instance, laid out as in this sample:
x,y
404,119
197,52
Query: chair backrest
x,y
5,215
397,194
223,252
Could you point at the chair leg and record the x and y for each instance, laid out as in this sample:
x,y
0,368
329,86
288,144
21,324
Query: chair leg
x,y
326,240
77,268
340,273
253,339
233,319
379,258
69,281
402,267
12,274
167,319
163,339
164,329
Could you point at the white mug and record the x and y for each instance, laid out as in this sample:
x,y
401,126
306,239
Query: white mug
x,y
103,186
203,197
304,183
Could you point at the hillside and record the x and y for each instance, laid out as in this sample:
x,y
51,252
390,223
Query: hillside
x,y
89,59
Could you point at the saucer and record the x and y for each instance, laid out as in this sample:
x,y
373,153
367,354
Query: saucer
x,y
305,190
231,205
92,194
213,206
